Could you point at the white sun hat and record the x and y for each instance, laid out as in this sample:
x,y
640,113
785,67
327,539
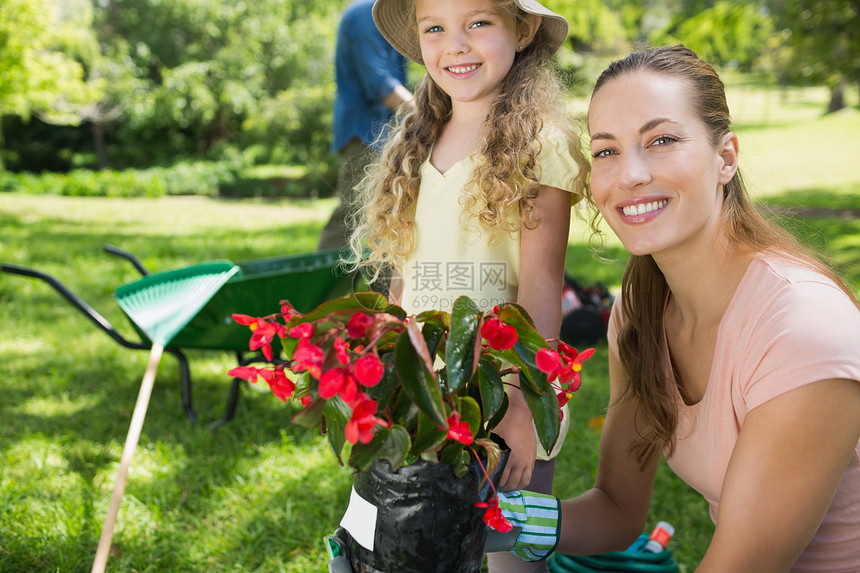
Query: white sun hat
x,y
395,20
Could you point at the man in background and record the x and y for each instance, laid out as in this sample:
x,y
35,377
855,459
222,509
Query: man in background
x,y
370,77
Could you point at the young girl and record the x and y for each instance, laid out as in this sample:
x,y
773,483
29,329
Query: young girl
x,y
473,191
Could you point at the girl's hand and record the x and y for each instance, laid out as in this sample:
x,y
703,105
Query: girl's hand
x,y
517,429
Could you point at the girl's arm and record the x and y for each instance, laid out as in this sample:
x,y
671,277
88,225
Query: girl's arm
x,y
395,288
541,275
790,456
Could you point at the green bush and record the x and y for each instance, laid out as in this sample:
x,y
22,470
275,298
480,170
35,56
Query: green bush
x,y
195,178
203,178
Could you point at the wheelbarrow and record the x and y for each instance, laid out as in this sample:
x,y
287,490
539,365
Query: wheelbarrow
x,y
306,280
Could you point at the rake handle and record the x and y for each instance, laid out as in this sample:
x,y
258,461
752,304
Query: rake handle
x,y
131,440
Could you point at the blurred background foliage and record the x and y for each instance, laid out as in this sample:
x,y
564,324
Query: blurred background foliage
x,y
221,87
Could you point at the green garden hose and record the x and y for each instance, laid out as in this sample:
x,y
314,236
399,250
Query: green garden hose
x,y
618,562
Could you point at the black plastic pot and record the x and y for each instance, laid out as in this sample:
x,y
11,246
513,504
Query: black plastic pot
x,y
427,521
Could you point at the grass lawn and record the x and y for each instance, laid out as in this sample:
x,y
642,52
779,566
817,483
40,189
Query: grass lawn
x,y
258,494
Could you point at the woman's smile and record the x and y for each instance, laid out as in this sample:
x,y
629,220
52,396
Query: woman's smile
x,y
639,208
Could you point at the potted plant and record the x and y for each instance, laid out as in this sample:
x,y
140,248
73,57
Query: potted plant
x,y
417,399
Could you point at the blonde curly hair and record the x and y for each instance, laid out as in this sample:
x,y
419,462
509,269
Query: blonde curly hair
x,y
505,179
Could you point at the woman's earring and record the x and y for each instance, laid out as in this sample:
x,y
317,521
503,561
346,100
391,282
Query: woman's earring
x,y
519,48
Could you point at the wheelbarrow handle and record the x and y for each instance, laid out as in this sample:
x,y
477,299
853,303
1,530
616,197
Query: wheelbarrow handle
x,y
76,301
127,256
103,324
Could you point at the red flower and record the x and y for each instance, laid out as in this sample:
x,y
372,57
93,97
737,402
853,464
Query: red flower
x,y
338,382
303,330
341,351
368,370
494,518
248,373
263,337
358,324
577,357
245,320
264,332
564,364
547,360
499,335
360,427
308,357
287,310
458,430
564,396
279,384
331,382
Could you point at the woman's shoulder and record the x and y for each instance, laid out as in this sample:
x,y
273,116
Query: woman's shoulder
x,y
789,325
786,278
785,301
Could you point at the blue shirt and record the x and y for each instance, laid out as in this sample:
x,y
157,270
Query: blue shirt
x,y
367,69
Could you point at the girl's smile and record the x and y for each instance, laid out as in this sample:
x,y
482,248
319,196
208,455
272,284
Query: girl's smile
x,y
460,71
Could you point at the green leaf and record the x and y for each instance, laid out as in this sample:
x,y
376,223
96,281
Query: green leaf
x,y
493,454
396,446
435,317
390,444
289,344
384,390
343,308
527,336
416,337
458,457
433,335
546,413
419,383
513,357
492,388
404,411
311,415
497,417
337,413
429,435
470,412
460,352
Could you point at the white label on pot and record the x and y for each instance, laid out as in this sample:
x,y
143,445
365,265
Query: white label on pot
x,y
360,520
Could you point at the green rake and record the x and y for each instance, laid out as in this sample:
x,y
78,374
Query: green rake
x,y
160,305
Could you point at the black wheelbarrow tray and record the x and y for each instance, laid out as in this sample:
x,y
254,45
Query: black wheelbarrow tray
x,y
306,280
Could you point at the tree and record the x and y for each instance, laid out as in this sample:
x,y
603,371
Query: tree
x,y
199,75
724,33
37,74
593,24
823,39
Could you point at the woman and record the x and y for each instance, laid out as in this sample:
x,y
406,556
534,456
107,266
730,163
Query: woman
x,y
732,350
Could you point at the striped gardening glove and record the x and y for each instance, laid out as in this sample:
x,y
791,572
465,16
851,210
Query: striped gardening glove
x,y
536,518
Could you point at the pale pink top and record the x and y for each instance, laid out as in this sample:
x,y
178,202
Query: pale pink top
x,y
786,326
